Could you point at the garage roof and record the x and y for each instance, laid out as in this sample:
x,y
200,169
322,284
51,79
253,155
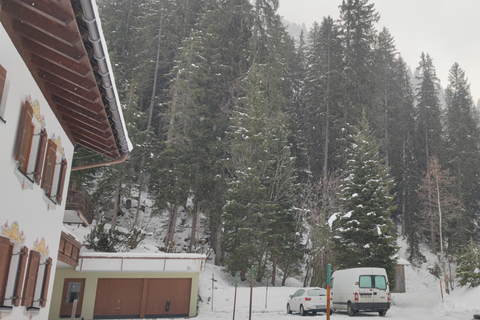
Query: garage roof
x,y
62,44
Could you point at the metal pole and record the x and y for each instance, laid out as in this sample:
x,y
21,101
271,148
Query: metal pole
x,y
235,299
213,287
266,295
251,294
328,291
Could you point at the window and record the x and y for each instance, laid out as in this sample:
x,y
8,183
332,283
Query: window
x,y
365,281
13,258
380,282
53,177
3,92
6,249
31,144
35,290
377,282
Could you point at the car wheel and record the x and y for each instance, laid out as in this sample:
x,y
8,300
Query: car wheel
x,y
382,313
289,311
350,310
331,311
302,311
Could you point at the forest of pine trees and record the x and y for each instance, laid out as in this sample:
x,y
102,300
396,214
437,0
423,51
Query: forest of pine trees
x,y
267,138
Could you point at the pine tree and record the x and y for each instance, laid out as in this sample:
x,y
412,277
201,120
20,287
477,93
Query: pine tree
x,y
429,127
468,269
358,34
321,98
364,234
462,152
258,217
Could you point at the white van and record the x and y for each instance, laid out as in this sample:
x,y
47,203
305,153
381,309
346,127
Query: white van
x,y
360,289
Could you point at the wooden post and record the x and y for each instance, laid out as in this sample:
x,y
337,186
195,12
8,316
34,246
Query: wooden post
x,y
74,309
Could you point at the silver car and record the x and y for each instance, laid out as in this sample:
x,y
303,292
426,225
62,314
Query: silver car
x,y
308,300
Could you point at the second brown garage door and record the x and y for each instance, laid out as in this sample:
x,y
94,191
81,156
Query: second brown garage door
x,y
142,298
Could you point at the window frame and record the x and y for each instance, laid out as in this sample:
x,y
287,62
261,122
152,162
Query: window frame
x,y
3,92
12,270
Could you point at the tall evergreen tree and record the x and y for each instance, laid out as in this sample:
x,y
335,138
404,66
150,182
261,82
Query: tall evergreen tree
x,y
258,217
429,127
462,152
364,233
358,34
321,98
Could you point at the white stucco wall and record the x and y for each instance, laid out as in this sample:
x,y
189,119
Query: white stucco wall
x,y
27,207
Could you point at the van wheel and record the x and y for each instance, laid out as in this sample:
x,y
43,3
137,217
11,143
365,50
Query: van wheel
x,y
350,310
382,313
302,311
289,311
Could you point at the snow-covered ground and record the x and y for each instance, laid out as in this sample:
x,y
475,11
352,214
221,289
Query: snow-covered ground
x,y
422,301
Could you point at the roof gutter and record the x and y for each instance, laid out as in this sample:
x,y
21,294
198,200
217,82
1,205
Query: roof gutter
x,y
102,164
90,16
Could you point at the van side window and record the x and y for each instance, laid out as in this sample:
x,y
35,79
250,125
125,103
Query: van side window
x,y
380,282
365,282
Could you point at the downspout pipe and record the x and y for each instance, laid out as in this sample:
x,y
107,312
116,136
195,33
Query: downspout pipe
x,y
90,16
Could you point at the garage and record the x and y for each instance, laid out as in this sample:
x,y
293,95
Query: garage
x,y
142,298
117,285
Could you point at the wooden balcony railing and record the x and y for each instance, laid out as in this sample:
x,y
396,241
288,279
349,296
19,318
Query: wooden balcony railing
x,y
79,201
69,249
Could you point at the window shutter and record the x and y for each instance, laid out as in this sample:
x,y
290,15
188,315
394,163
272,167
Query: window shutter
x,y
31,279
62,181
49,167
46,280
3,78
19,278
25,137
41,156
5,257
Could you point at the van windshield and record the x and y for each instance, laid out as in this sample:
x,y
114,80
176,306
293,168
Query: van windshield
x,y
378,282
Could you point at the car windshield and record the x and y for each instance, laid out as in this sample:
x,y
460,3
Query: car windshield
x,y
317,292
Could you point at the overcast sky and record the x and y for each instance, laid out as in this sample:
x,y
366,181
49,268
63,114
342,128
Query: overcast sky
x,y
448,30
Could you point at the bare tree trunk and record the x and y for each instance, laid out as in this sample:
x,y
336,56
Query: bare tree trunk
x,y
193,233
127,29
116,204
141,180
218,248
442,260
327,118
172,221
274,270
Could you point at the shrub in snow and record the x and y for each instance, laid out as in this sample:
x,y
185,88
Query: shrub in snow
x,y
102,239
469,265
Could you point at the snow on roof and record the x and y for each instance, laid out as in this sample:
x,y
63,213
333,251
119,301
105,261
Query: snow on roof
x,y
141,262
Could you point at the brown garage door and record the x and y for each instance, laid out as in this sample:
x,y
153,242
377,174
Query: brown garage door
x,y
118,298
168,297
142,298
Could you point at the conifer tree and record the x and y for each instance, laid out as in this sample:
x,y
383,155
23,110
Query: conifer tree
x,y
468,269
364,234
258,216
358,34
429,127
462,136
